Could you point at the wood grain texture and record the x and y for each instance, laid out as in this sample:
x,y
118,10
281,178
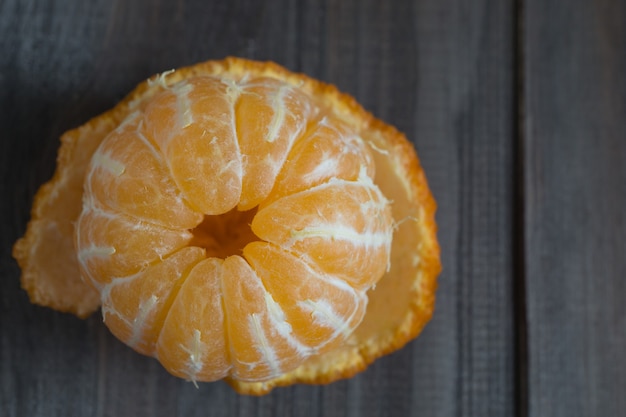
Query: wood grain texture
x,y
442,71
575,154
464,131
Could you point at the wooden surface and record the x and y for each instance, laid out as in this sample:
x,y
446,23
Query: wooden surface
x,y
518,111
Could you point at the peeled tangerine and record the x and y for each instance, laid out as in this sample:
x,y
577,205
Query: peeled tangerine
x,y
236,220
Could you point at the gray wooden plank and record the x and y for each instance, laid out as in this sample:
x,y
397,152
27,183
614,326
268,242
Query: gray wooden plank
x,y
575,154
472,119
439,70
449,85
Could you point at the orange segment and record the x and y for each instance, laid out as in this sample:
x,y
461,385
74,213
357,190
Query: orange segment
x,y
134,307
261,341
127,174
330,150
270,115
342,227
193,125
110,245
193,346
321,309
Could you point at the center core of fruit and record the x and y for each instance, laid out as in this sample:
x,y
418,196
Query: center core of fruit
x,y
225,234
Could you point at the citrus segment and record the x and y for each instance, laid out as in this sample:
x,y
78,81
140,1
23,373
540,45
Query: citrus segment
x,y
329,150
129,175
134,307
261,344
193,125
270,115
112,245
342,227
194,346
321,309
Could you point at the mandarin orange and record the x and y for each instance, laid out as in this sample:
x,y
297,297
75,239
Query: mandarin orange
x,y
236,220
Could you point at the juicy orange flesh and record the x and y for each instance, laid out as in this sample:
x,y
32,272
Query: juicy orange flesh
x,y
329,150
112,245
132,177
194,346
135,307
192,125
358,250
306,293
238,232
280,116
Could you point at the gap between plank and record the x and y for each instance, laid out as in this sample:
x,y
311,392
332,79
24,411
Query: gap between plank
x,y
519,237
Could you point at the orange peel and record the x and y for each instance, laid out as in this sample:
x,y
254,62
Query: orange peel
x,y
400,303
